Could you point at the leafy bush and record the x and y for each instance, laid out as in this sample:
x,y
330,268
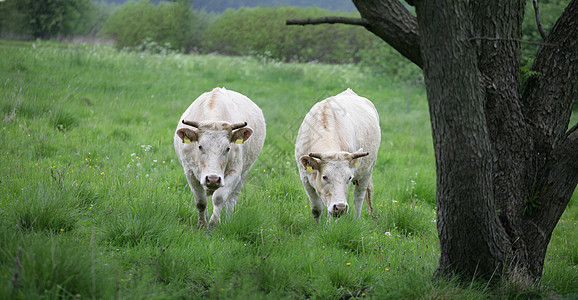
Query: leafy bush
x,y
45,19
171,25
221,5
262,32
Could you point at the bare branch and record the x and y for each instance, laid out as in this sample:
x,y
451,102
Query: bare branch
x,y
388,19
326,20
392,22
538,22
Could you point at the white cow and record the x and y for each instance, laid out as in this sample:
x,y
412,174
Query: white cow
x,y
331,153
217,140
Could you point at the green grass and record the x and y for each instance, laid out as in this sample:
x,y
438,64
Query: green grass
x,y
92,194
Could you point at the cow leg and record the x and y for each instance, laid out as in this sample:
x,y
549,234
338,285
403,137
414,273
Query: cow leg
x,y
359,194
232,201
200,200
221,196
314,200
219,199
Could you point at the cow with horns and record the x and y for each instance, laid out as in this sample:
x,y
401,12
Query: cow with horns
x,y
336,145
217,140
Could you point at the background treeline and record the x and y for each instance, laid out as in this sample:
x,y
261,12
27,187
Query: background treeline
x,y
244,31
48,19
193,26
262,31
219,6
258,31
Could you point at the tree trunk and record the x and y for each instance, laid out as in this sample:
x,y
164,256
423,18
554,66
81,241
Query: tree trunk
x,y
474,242
506,167
506,164
514,192
547,99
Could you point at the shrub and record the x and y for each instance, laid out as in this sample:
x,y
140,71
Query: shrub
x,y
45,19
170,25
262,32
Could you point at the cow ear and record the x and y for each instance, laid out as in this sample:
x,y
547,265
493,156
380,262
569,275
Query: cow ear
x,y
187,135
356,158
355,163
309,163
240,135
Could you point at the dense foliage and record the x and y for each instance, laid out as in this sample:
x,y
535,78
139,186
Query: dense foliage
x,y
220,6
262,31
47,18
137,24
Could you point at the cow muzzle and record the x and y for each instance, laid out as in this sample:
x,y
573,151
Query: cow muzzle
x,y
213,182
339,209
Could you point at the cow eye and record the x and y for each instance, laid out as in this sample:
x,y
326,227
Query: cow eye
x,y
200,148
228,149
324,177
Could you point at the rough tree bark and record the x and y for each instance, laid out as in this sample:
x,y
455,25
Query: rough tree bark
x,y
506,163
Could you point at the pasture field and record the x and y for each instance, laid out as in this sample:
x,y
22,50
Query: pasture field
x,y
94,204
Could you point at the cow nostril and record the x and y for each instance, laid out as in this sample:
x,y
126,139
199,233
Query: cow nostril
x,y
339,207
212,180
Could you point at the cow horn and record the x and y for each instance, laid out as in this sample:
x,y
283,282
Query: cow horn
x,y
191,123
238,125
315,155
358,154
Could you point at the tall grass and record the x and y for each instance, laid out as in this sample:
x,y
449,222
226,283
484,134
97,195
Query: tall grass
x,y
94,203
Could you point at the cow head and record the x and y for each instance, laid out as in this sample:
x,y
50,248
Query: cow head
x,y
332,172
214,142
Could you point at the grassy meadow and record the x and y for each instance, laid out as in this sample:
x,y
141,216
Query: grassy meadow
x,y
94,203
